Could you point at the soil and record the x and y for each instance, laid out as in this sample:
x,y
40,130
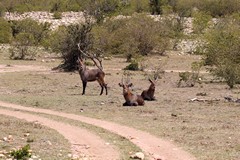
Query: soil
x,y
153,147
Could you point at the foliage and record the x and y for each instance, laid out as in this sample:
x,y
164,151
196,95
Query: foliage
x,y
43,5
200,21
39,31
102,8
155,7
66,39
23,47
215,8
5,31
28,34
22,153
190,78
99,9
57,15
133,66
222,50
132,37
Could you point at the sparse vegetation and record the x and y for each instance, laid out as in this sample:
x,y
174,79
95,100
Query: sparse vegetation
x,y
200,22
66,41
22,153
57,15
222,51
190,78
133,36
133,66
23,47
5,31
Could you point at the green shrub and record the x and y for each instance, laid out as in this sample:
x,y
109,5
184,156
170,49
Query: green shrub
x,y
155,7
221,51
135,36
200,21
5,31
133,66
65,41
57,15
23,47
215,8
22,153
39,31
190,78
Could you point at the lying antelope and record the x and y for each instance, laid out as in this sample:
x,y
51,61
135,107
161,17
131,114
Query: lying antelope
x,y
130,98
149,93
89,75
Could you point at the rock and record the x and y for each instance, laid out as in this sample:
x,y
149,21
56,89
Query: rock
x,y
75,157
157,157
5,139
138,155
10,138
34,157
2,156
26,134
49,143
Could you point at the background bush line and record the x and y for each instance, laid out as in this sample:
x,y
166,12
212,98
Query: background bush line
x,y
131,37
215,8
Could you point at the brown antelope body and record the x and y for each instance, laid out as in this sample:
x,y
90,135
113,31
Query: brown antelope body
x,y
149,93
130,98
90,75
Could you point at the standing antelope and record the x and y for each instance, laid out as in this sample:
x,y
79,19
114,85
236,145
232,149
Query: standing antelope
x,y
89,75
130,98
149,93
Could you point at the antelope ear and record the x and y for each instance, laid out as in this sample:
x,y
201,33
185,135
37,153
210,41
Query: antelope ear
x,y
130,85
120,84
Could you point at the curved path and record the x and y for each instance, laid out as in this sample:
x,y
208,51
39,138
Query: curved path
x,y
83,143
153,146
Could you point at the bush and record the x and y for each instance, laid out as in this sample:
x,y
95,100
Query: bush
x,y
66,42
39,31
215,8
133,66
22,154
5,31
190,78
23,47
200,21
57,15
221,51
137,36
155,7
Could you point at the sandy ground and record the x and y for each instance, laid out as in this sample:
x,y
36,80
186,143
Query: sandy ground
x,y
154,147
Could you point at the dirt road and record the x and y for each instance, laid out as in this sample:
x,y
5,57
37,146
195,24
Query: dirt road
x,y
154,147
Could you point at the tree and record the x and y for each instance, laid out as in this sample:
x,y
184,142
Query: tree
x,y
68,42
23,47
5,31
137,36
222,51
155,6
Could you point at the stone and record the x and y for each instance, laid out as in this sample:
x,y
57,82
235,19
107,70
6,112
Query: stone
x,y
138,155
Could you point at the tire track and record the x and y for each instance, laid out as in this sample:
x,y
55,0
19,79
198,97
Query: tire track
x,y
153,146
83,143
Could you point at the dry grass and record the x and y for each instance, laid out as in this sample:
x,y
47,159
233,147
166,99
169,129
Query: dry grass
x,y
210,130
43,141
